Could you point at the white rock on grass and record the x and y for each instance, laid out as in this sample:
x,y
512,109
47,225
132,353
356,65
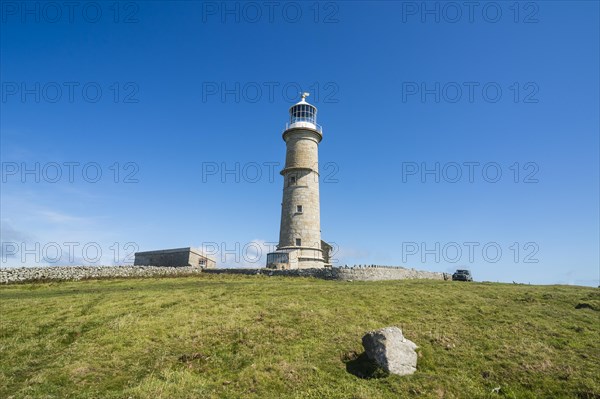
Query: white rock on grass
x,y
388,348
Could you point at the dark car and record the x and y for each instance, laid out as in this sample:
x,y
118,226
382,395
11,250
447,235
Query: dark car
x,y
462,275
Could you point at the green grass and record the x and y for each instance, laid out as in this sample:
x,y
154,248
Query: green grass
x,y
225,336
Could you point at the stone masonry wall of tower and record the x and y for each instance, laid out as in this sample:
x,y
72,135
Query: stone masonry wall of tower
x,y
301,189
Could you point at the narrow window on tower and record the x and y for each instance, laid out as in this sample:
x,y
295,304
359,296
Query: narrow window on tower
x,y
299,208
298,242
292,180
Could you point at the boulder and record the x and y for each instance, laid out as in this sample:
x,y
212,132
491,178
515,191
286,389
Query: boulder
x,y
388,348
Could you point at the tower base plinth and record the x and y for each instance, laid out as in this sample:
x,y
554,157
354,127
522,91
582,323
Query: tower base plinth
x,y
295,258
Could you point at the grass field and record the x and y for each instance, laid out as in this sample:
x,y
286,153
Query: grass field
x,y
274,337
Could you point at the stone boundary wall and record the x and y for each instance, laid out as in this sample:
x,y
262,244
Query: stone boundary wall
x,y
66,273
356,273
74,273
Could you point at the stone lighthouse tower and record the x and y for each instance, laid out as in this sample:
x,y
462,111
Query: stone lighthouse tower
x,y
300,244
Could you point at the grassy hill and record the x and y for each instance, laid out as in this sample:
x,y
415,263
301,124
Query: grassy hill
x,y
259,337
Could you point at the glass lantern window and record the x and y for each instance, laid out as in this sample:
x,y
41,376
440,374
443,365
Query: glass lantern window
x,y
303,113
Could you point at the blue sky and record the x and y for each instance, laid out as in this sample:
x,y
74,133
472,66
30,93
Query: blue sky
x,y
173,95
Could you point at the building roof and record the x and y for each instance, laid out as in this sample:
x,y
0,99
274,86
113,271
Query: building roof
x,y
325,245
174,250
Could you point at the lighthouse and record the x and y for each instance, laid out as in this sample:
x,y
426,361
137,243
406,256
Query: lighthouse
x,y
300,245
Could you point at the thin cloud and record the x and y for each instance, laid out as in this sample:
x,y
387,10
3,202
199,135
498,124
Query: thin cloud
x,y
59,217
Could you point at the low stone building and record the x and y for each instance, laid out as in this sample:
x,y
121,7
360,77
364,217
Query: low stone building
x,y
175,257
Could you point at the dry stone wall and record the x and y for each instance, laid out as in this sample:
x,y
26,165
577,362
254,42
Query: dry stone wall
x,y
66,273
357,273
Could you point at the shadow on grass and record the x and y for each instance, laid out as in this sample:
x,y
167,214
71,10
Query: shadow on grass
x,y
363,367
